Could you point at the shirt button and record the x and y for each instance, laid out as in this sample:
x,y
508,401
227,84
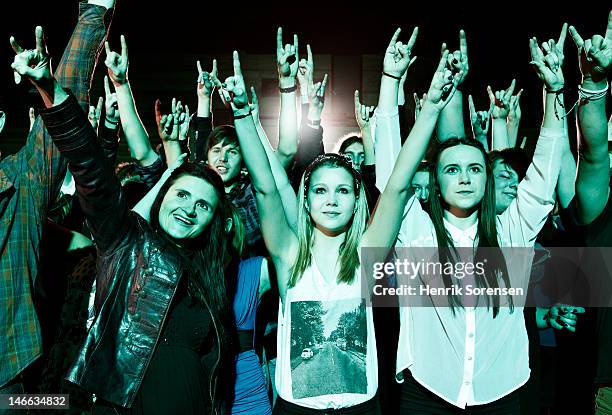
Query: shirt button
x,y
470,335
136,317
467,383
469,357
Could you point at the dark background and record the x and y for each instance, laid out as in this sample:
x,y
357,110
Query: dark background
x,y
165,39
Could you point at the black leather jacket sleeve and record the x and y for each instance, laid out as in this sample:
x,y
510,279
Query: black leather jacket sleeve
x,y
98,189
109,140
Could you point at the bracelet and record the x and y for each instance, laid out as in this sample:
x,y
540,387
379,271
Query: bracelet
x,y
589,94
558,91
288,90
111,122
241,116
314,123
392,76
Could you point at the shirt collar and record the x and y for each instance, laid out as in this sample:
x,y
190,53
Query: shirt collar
x,y
462,237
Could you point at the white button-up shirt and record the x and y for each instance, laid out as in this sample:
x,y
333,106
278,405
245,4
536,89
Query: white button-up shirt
x,y
469,357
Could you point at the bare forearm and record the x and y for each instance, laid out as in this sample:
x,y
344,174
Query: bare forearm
x,y
135,134
500,139
368,146
450,122
512,127
387,99
203,107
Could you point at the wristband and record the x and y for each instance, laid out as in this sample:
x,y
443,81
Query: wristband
x,y
392,76
111,122
288,90
314,123
241,116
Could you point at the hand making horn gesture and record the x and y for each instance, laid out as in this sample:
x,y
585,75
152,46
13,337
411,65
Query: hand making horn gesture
x,y
398,56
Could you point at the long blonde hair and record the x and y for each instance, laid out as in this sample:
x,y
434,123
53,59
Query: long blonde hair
x,y
349,258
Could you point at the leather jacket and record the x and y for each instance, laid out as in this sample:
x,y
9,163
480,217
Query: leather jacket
x,y
137,274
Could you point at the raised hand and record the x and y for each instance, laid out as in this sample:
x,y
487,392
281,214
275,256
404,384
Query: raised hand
x,y
316,94
305,71
514,113
547,66
167,124
397,56
443,85
94,113
500,101
235,87
34,64
287,59
117,64
595,53
457,61
111,105
254,105
206,85
479,119
363,113
418,104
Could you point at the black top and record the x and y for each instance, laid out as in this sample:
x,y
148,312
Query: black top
x,y
176,382
599,234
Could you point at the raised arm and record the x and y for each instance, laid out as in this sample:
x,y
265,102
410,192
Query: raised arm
x,y
388,141
97,187
198,142
480,123
172,128
283,185
135,133
280,240
535,194
592,181
108,133
387,218
566,185
500,104
363,116
450,122
287,62
514,118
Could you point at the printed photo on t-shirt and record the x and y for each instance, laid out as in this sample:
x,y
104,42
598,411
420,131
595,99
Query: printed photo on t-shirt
x,y
328,347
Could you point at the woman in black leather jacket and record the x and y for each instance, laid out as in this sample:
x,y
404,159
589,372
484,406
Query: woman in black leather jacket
x,y
162,305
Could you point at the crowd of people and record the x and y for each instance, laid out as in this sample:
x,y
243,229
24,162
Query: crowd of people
x,y
216,274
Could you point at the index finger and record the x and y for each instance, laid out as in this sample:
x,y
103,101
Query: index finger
x,y
107,48
214,68
562,36
199,65
279,39
99,106
463,43
18,49
510,90
254,99
609,28
442,62
124,48
295,45
471,105
40,40
309,55
357,103
413,37
577,38
158,114
236,61
395,37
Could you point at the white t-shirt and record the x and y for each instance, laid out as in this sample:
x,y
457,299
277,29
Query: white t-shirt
x,y
326,346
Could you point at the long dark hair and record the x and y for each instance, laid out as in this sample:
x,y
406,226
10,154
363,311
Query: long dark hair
x,y
495,264
203,259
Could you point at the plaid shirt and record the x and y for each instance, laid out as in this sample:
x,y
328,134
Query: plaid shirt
x,y
29,183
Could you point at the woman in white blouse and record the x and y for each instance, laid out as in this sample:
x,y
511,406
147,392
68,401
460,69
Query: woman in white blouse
x,y
465,355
